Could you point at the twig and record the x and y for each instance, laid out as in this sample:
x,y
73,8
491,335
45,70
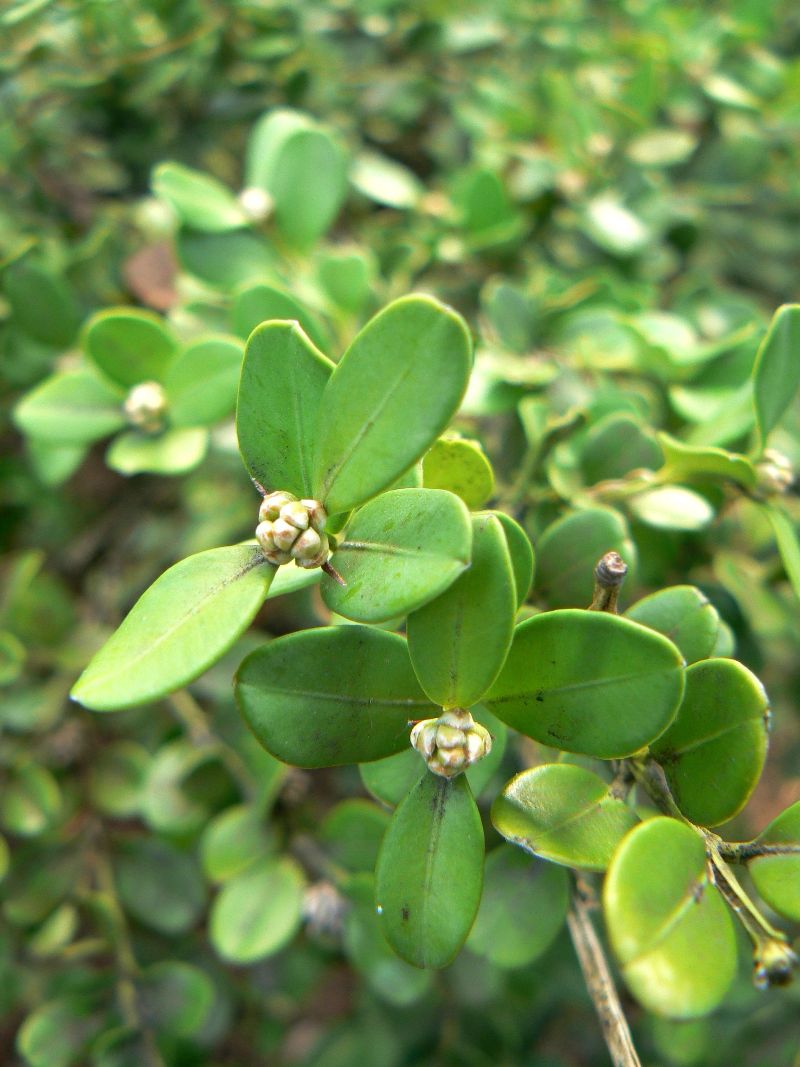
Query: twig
x,y
600,984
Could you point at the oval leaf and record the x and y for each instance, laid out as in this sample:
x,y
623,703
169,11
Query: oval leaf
x,y
430,872
461,467
129,346
394,391
569,549
171,452
588,682
667,924
260,303
75,407
459,641
182,624
400,551
523,907
776,374
563,813
521,552
331,696
776,874
200,201
258,911
283,379
201,383
714,751
684,615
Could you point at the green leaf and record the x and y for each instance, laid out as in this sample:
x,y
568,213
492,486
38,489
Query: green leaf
x,y
461,467
776,875
394,980
400,551
776,374
31,801
225,260
303,168
58,1032
430,872
788,543
331,696
394,391
563,813
386,181
588,682
201,382
280,394
182,624
42,304
481,774
116,778
672,507
352,833
683,461
523,907
458,642
129,346
616,445
200,201
684,615
290,578
54,463
261,302
233,840
159,886
258,912
714,751
346,277
390,779
170,452
73,407
568,550
176,997
667,923
520,551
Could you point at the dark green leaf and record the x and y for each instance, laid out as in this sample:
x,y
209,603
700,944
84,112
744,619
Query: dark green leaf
x,y
521,552
175,997
568,550
588,682
352,833
684,615
181,625
430,872
159,885
394,391
563,813
331,696
42,304
283,381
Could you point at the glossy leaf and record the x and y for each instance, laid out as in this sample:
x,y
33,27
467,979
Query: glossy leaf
x,y
776,374
258,912
283,380
330,696
430,872
523,907
394,391
290,578
390,779
776,874
714,751
200,201
688,461
170,452
458,642
588,682
399,552
182,624
260,303
74,407
460,466
201,383
520,551
672,507
563,813
667,923
129,346
684,615
568,550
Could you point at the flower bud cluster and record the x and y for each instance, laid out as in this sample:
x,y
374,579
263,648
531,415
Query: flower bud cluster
x,y
451,743
146,407
291,529
775,473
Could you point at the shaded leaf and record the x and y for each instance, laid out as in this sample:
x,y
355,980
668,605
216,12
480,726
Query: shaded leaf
x,y
684,615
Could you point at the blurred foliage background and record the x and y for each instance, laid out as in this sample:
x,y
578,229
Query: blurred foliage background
x,y
611,195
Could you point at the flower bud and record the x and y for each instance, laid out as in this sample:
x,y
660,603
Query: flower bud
x,y
774,962
271,505
146,407
255,203
451,743
265,536
284,533
307,545
295,514
775,474
317,514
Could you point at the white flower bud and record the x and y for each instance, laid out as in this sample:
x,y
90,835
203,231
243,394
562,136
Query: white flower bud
x,y
146,407
285,534
451,743
271,505
307,545
265,536
295,514
317,514
775,474
255,203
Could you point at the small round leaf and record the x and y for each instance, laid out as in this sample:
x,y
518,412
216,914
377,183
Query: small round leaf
x,y
461,467
684,615
776,875
257,913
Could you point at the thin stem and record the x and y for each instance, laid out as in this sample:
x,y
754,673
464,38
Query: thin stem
x,y
600,983
198,727
609,574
